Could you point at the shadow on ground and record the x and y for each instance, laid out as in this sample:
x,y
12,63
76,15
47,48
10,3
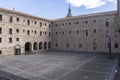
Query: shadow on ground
x,y
8,76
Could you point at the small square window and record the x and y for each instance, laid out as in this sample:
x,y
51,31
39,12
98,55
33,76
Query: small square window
x,y
116,45
17,39
17,30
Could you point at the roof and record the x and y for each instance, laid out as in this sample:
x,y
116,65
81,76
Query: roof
x,y
87,16
22,14
60,19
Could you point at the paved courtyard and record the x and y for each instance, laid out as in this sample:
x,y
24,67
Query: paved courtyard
x,y
56,65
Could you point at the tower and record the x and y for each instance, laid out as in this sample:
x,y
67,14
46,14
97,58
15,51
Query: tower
x,y
69,12
118,8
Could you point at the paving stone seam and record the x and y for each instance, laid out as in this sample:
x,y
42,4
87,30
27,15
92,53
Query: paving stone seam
x,y
76,67
94,71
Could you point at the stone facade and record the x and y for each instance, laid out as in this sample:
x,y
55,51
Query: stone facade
x,y
22,33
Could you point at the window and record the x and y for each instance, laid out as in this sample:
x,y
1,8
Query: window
x,y
45,24
67,45
86,32
56,33
28,32
0,30
107,24
77,31
0,17
56,25
49,34
56,44
94,21
17,30
94,30
63,24
80,45
69,32
17,19
62,32
40,24
35,22
0,51
49,25
40,33
69,23
17,39
10,40
28,22
10,31
0,39
45,33
77,22
116,45
35,32
11,19
86,22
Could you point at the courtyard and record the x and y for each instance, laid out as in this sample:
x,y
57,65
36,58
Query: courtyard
x,y
58,65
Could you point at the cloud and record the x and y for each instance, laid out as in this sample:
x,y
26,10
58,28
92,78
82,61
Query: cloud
x,y
89,3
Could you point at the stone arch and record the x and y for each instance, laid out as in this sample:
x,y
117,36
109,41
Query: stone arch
x,y
28,47
49,45
45,45
17,49
35,45
40,46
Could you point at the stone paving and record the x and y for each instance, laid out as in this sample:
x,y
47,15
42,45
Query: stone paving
x,y
57,66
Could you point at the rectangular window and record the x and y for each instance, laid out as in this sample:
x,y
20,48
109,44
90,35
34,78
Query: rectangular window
x,y
40,33
116,45
28,32
11,19
107,24
0,51
0,17
0,40
0,30
17,39
94,30
28,22
10,40
40,24
17,30
10,31
18,19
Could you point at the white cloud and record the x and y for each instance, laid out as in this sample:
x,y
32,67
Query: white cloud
x,y
88,3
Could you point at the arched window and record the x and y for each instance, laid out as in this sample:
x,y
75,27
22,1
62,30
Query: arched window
x,y
40,45
35,46
45,45
49,45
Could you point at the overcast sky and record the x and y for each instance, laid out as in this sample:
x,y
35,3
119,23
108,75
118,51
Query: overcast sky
x,y
53,9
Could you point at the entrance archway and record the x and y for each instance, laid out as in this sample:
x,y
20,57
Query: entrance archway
x,y
28,47
17,49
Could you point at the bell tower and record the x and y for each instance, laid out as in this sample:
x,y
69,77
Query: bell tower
x,y
118,8
69,12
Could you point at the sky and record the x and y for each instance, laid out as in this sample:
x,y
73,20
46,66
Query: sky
x,y
53,9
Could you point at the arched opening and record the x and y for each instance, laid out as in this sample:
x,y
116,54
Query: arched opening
x,y
40,46
45,45
49,45
17,49
28,47
35,45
